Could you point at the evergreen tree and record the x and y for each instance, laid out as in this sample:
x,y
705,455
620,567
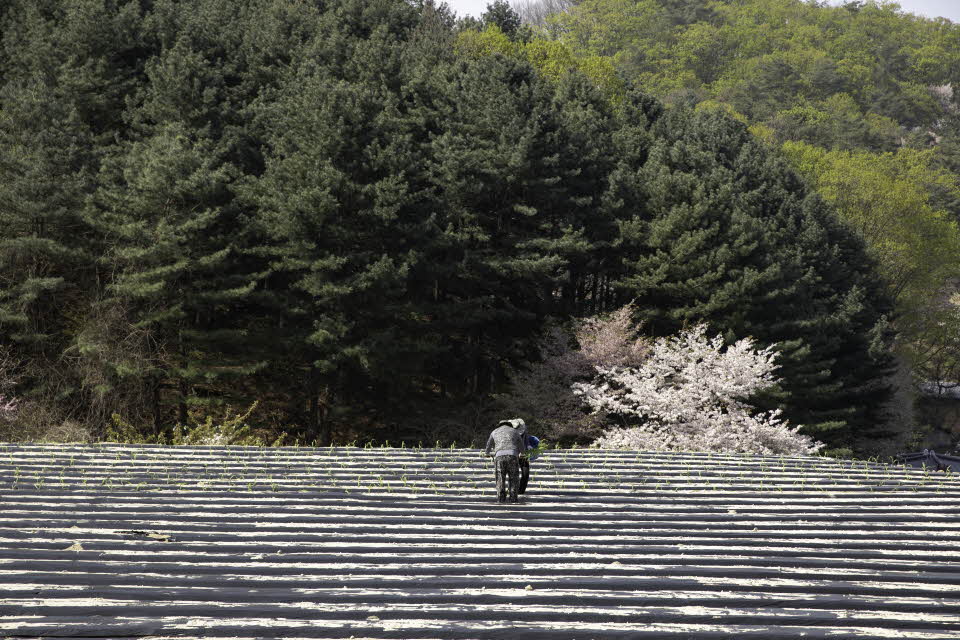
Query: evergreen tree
x,y
163,206
342,207
516,203
585,229
729,237
46,259
181,247
338,207
501,14
64,70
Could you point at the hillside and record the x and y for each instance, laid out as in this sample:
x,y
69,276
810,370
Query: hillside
x,y
342,214
859,97
132,541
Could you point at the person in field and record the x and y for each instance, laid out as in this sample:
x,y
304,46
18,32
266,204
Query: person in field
x,y
531,454
505,444
529,443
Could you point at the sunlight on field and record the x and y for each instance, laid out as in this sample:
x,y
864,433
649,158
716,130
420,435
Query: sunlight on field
x,y
122,540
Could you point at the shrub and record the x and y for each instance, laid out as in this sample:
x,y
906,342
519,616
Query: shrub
x,y
231,430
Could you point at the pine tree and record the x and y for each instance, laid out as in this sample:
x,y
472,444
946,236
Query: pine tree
x,y
587,228
500,13
162,204
183,250
45,266
506,233
322,204
64,69
338,205
730,237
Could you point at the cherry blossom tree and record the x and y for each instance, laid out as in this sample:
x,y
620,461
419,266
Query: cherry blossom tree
x,y
8,407
612,340
690,394
542,392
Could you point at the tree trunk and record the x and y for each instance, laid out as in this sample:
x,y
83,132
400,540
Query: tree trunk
x,y
156,406
182,404
313,402
316,423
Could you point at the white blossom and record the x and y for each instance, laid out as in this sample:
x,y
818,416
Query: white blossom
x,y
690,394
8,408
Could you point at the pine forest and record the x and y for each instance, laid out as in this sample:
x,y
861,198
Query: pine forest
x,y
350,221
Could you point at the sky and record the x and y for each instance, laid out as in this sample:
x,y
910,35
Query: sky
x,y
949,9
929,8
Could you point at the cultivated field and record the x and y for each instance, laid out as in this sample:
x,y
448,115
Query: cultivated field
x,y
129,541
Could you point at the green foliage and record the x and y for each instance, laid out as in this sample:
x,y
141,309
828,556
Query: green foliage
x,y
228,431
551,58
500,14
859,97
729,236
477,44
364,214
780,62
885,198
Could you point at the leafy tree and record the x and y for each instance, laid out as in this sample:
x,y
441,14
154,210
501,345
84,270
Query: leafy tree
x,y
537,12
767,57
552,59
947,158
885,198
501,14
934,352
476,43
606,27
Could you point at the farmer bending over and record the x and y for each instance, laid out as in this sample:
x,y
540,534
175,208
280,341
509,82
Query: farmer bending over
x,y
533,443
528,442
506,444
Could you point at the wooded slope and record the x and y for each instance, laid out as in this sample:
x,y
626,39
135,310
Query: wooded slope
x,y
338,212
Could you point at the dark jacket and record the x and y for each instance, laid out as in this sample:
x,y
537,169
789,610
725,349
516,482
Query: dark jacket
x,y
504,441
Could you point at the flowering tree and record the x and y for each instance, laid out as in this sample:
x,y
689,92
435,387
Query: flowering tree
x,y
689,394
542,392
8,407
612,340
